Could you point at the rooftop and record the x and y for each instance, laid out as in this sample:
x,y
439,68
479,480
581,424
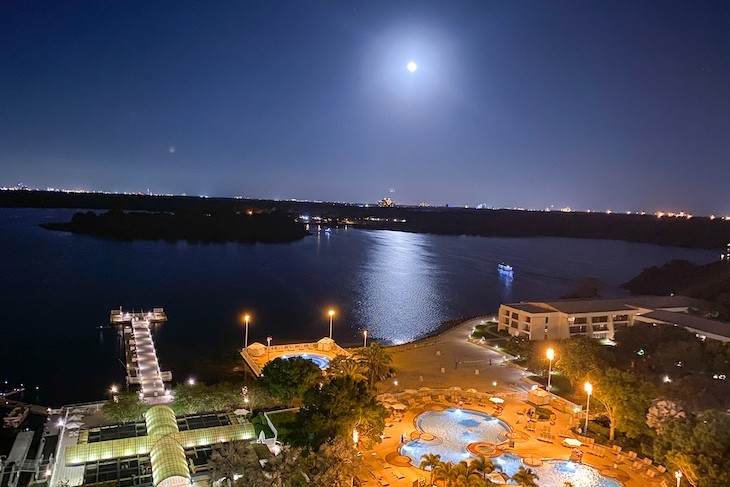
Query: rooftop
x,y
605,305
714,327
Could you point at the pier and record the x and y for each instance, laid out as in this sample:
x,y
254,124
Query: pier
x,y
142,365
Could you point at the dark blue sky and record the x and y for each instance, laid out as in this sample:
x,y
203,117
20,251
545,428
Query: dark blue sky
x,y
621,105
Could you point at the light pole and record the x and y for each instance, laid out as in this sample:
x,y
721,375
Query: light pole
x,y
588,387
365,339
678,476
246,319
268,349
550,355
331,313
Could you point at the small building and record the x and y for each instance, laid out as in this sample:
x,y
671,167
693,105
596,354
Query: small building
x,y
596,318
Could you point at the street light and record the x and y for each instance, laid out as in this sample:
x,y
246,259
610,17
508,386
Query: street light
x,y
246,319
331,313
268,349
678,476
365,338
588,387
550,355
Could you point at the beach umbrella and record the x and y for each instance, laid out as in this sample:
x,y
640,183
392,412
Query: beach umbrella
x,y
398,406
72,425
496,400
241,412
75,417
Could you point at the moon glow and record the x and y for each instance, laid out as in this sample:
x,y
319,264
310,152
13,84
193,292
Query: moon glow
x,y
412,66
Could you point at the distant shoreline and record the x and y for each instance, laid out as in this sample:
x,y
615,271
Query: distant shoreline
x,y
699,233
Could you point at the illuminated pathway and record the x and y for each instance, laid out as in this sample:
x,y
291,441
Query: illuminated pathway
x,y
143,367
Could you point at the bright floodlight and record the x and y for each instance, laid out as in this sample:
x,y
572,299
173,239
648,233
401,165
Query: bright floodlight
x,y
550,354
588,387
331,312
412,67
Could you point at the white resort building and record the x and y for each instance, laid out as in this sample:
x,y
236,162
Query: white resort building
x,y
600,318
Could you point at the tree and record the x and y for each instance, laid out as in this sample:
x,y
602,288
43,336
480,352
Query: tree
x,y
124,407
286,379
334,464
641,341
445,472
282,468
697,446
190,399
376,360
625,398
577,356
335,410
430,461
484,465
661,412
526,477
344,366
228,461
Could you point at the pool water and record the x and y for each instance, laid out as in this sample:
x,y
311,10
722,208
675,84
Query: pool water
x,y
322,361
454,429
555,473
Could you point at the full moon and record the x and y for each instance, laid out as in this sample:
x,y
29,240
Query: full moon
x,y
411,66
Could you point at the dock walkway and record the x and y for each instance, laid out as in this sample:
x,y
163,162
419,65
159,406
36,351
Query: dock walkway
x,y
143,367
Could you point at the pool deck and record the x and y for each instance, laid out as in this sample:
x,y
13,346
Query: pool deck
x,y
257,355
427,380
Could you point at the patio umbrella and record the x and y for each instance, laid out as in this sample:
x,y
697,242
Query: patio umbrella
x,y
75,418
398,406
572,442
496,400
499,477
73,426
241,412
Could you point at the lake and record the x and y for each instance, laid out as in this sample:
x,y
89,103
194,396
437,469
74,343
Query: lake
x,y
57,288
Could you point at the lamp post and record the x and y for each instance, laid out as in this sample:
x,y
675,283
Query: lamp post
x,y
550,355
588,387
246,319
365,338
268,349
678,476
331,313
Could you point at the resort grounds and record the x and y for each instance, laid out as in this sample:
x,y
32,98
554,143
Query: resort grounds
x,y
448,371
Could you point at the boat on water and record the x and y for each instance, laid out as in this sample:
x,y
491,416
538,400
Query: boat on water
x,y
15,417
505,269
328,230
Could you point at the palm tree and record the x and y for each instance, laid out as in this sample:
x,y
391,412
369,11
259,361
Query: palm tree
x,y
227,461
526,477
377,361
342,366
466,476
446,472
281,468
484,465
430,461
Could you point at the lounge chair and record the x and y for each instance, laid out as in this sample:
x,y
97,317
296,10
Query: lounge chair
x,y
661,468
632,455
647,461
636,466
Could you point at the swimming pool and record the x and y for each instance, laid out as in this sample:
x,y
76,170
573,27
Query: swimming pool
x,y
555,473
453,431
322,361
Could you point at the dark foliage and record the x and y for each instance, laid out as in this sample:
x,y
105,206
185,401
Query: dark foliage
x,y
222,226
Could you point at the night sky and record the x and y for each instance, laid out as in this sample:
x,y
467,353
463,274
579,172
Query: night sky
x,y
620,105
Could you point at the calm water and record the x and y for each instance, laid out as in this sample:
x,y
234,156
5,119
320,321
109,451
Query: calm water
x,y
56,288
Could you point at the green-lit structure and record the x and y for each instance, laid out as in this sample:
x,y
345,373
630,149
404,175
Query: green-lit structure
x,y
165,444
